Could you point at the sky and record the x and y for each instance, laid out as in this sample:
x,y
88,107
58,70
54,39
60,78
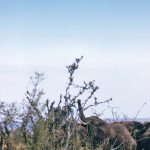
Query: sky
x,y
46,36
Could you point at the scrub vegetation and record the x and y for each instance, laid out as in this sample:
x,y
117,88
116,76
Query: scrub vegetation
x,y
38,124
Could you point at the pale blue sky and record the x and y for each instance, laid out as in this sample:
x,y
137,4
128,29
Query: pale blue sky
x,y
47,35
